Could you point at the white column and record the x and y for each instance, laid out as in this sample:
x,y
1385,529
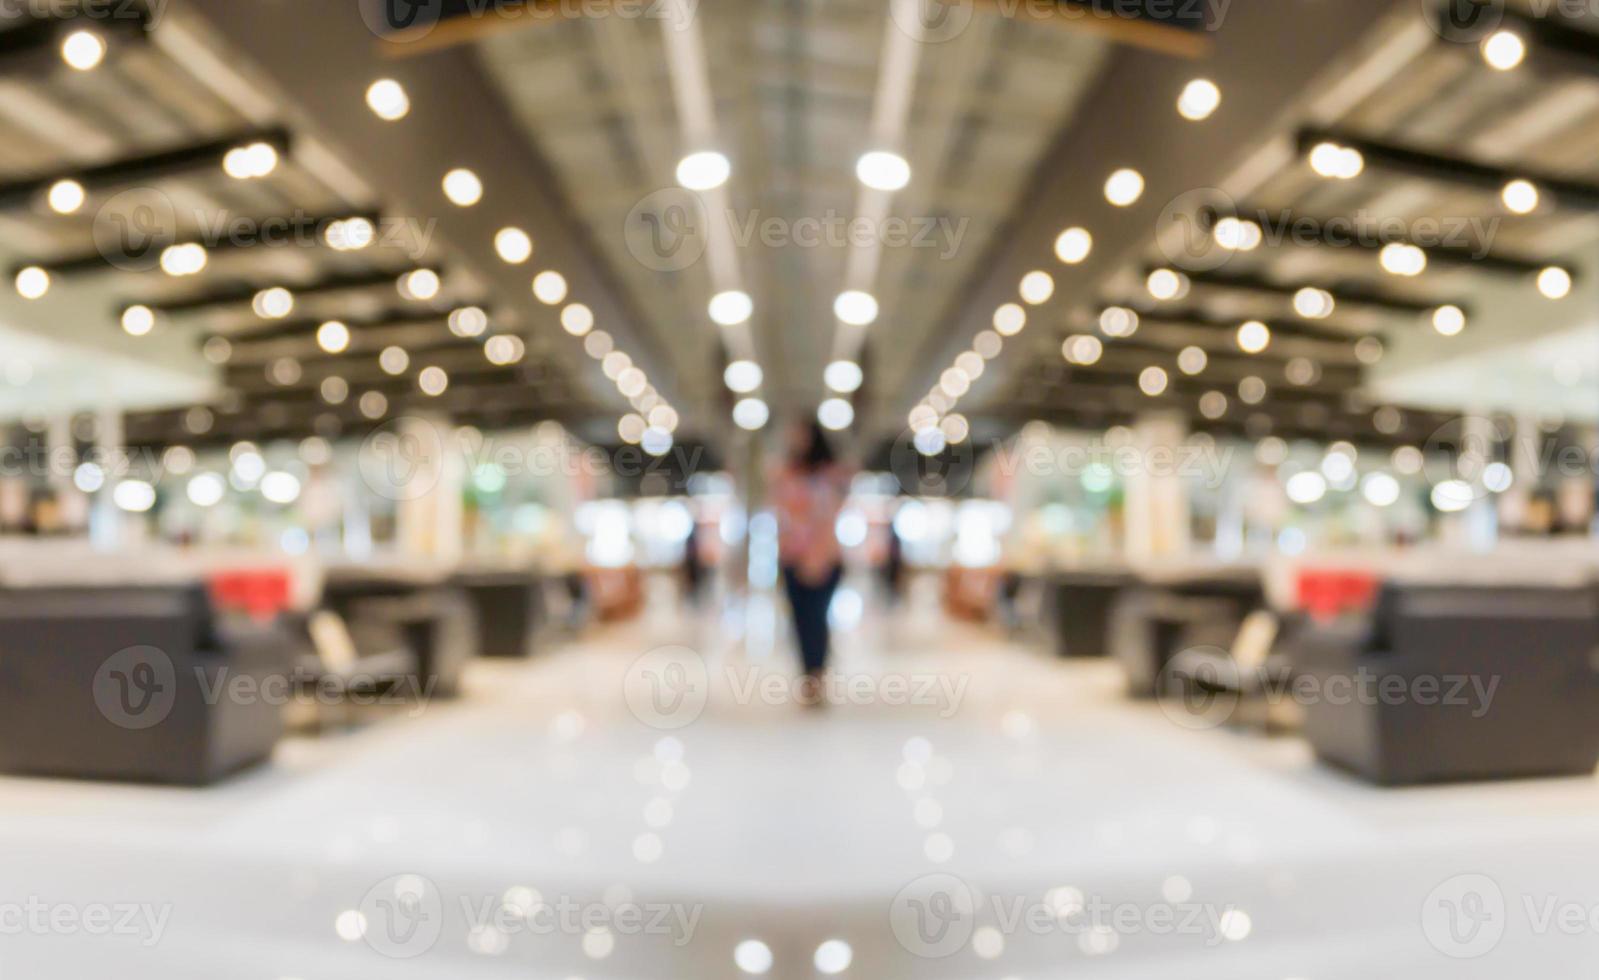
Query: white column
x,y
429,512
1156,511
105,520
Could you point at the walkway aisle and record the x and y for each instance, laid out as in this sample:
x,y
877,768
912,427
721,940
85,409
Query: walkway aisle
x,y
651,803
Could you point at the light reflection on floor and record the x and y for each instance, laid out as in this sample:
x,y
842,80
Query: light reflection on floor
x,y
1085,836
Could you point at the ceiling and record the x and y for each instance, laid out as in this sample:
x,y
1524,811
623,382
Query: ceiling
x,y
1010,124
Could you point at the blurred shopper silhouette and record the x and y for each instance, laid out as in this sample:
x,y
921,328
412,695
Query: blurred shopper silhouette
x,y
808,491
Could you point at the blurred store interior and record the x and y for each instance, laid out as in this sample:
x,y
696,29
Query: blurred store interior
x,y
940,489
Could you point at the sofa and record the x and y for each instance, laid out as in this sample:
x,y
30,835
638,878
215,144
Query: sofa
x,y
136,683
1448,682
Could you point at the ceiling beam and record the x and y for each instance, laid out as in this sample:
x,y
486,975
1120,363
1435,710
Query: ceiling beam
x,y
1343,293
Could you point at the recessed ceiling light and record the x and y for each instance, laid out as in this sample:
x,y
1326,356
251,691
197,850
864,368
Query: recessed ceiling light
x,y
463,187
1152,381
703,171
83,50
433,381
333,337
468,321
1313,304
1504,50
33,282
843,376
549,287
1009,319
66,196
1554,282
743,376
1449,320
731,307
138,320
420,284
835,414
1037,287
883,171
513,245
1199,99
577,319
387,99
1520,196
855,307
273,304
1073,245
1124,187
1253,337
750,414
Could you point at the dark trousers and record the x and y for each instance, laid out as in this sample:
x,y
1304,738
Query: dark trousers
x,y
810,603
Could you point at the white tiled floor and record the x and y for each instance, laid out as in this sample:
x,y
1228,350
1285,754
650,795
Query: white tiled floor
x,y
796,826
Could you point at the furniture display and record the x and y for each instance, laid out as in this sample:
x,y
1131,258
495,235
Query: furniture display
x,y
432,618
509,606
1077,607
135,683
1455,682
1170,612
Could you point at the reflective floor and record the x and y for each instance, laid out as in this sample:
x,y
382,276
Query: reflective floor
x,y
963,807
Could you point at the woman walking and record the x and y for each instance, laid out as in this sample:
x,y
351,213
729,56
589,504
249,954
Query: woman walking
x,y
809,491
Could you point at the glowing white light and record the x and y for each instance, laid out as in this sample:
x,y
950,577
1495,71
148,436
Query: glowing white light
x,y
835,414
704,170
1213,404
1306,488
1198,100
970,364
663,417
1520,196
420,284
1379,489
183,260
433,381
462,187
88,477
1313,304
922,417
1083,349
1337,468
930,441
250,162
1192,360
66,196
1497,477
1399,259
1503,50
468,321
1124,187
883,171
549,287
387,99
1253,337
206,490
1554,282
954,382
83,50
955,428
855,307
134,496
333,337
1118,321
1336,162
656,442
1152,381
833,957
731,307
577,319
753,956
1037,287
843,376
273,304
1237,235
1165,284
280,488
513,245
394,360
1369,350
614,363
750,413
1449,320
350,235
631,382
743,376
630,428
1451,496
374,404
504,349
1073,245
138,320
1009,319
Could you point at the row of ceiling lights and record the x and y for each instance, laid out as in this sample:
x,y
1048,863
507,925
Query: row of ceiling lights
x,y
654,420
